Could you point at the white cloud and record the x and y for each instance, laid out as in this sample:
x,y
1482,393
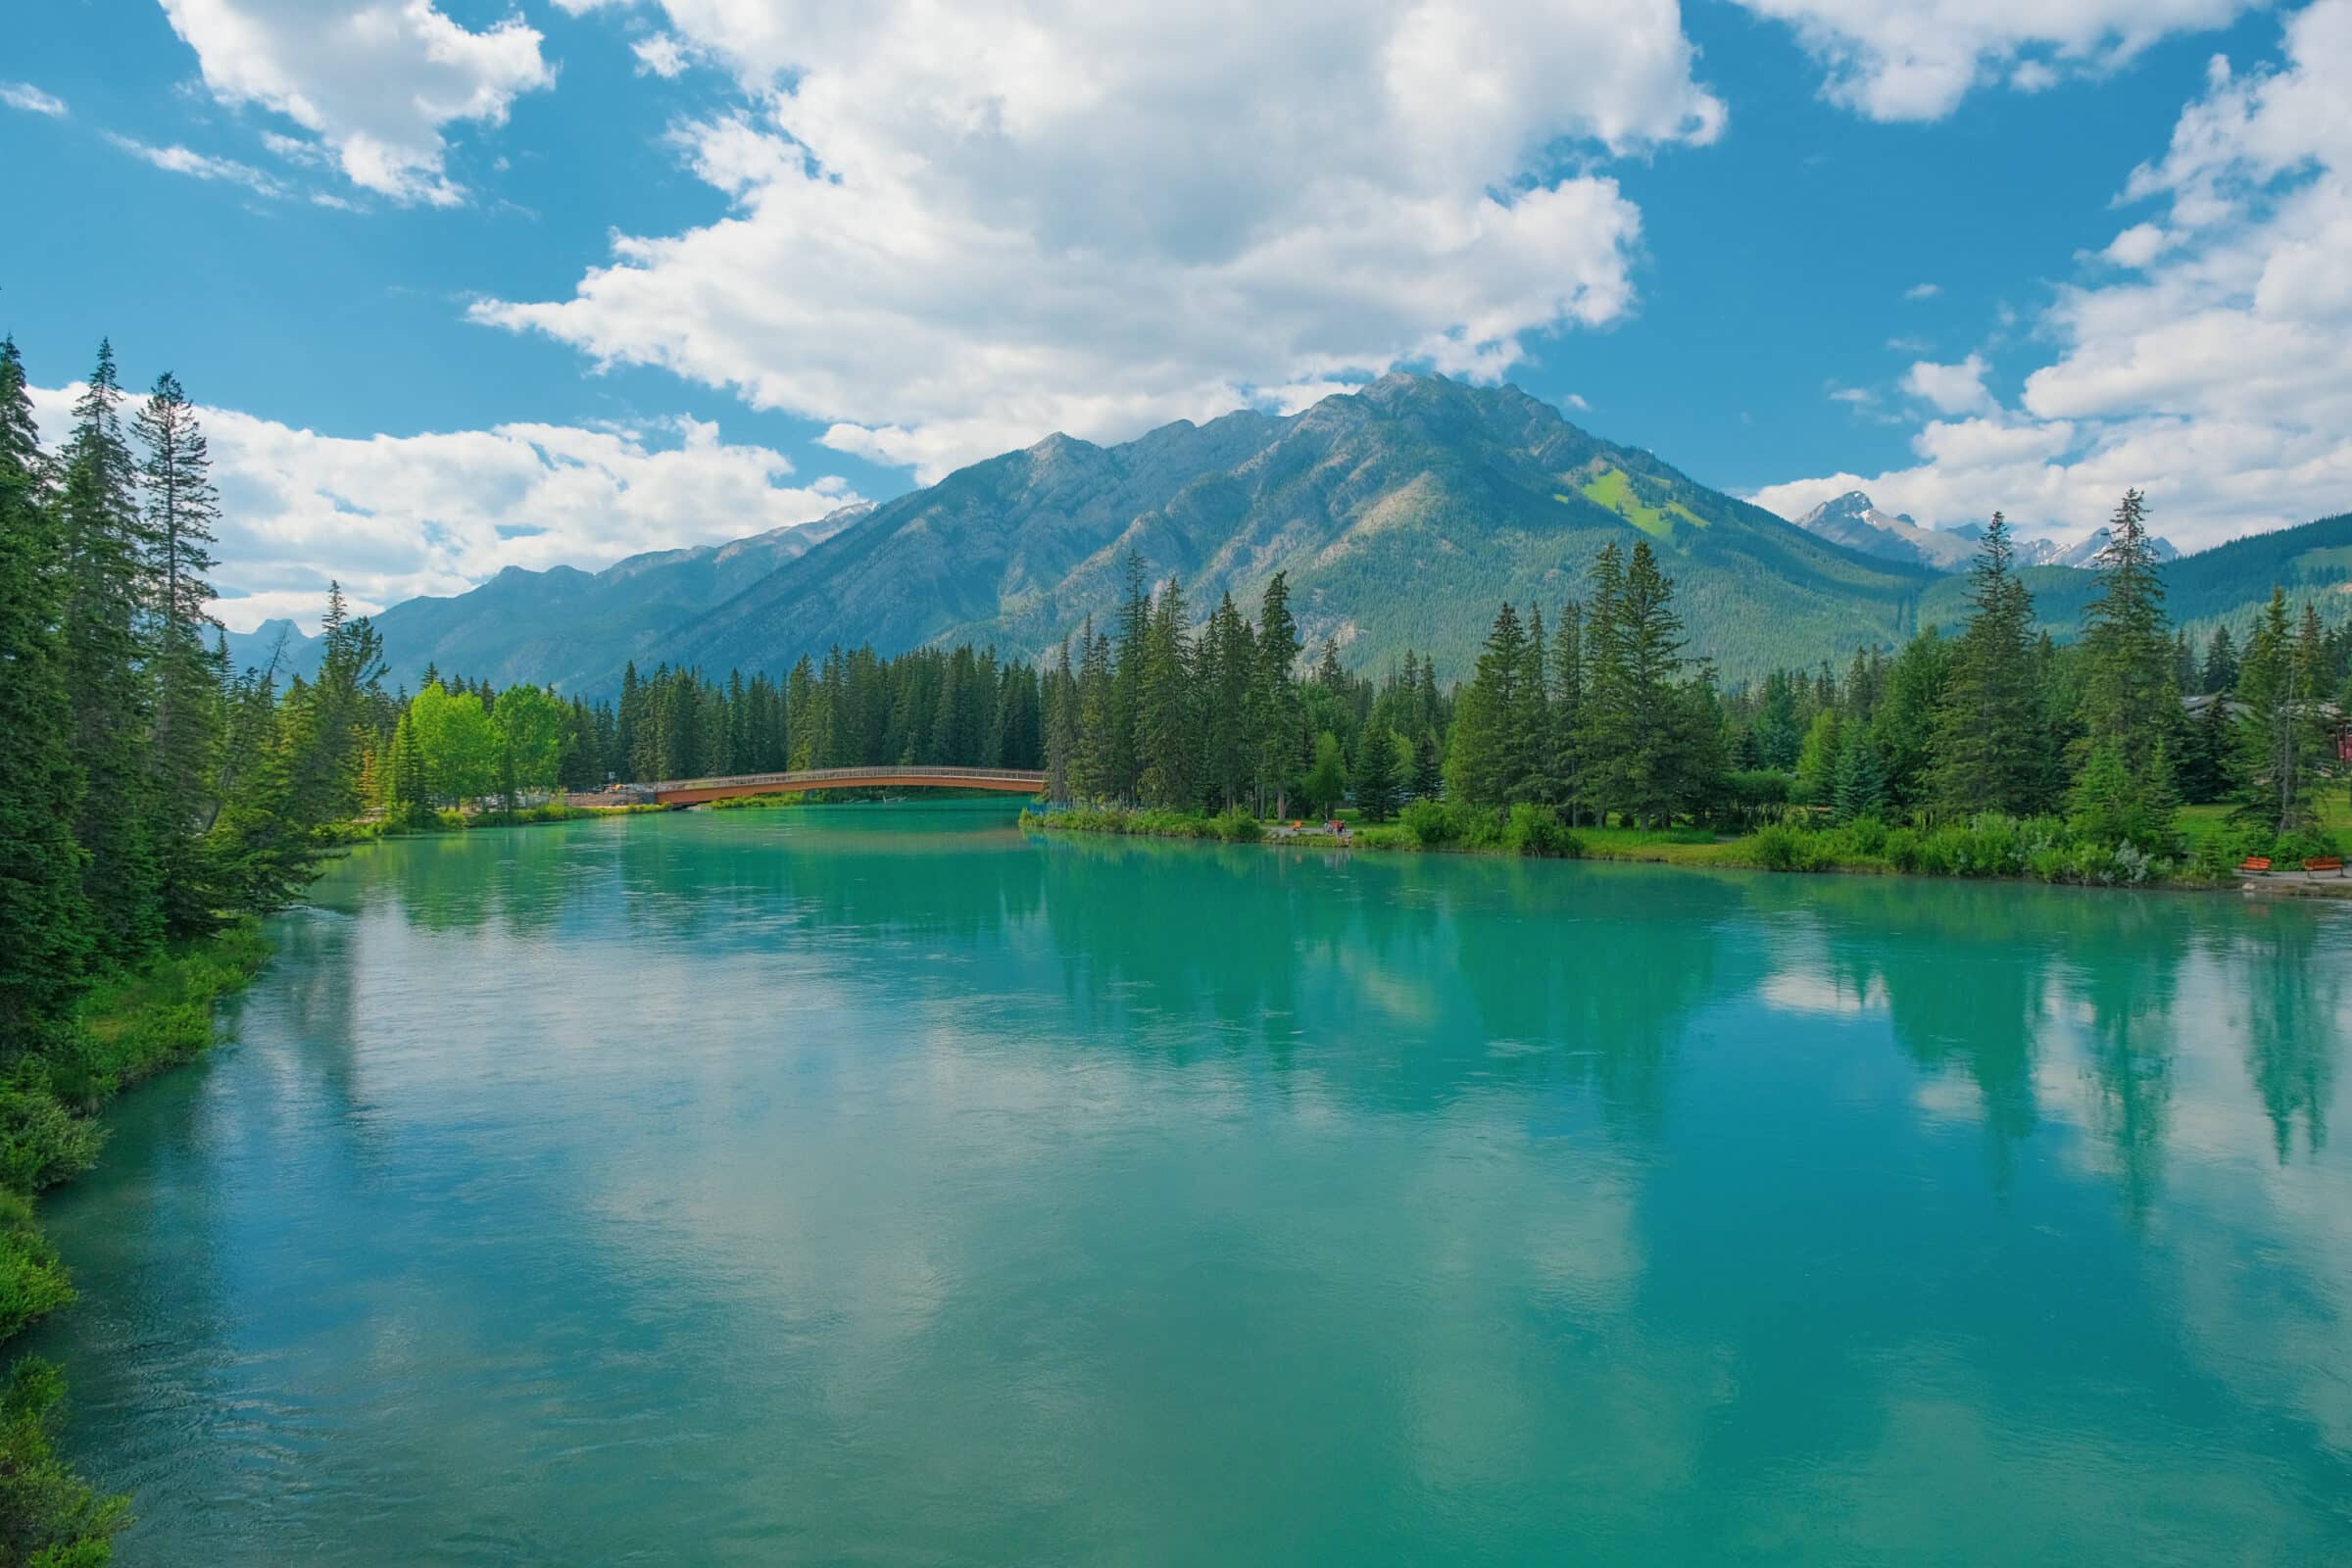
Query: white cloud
x,y
1923,292
200,166
374,81
395,516
956,228
661,54
26,96
1894,60
1951,388
2214,376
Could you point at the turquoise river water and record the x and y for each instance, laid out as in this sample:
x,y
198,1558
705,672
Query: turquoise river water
x,y
877,1185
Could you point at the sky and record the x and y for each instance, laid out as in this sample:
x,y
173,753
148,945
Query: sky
x,y
470,284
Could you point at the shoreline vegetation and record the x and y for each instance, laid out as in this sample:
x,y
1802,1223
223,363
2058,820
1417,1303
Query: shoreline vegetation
x,y
1986,848
127,1028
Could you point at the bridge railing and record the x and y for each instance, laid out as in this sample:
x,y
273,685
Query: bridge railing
x,y
823,775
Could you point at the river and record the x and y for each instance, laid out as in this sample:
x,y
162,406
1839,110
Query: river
x,y
879,1184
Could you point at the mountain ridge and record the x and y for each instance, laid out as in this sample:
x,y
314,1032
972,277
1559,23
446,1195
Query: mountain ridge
x,y
1403,512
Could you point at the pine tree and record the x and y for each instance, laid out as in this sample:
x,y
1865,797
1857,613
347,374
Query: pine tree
x,y
1376,774
1989,733
1091,764
1275,716
108,682
2129,697
1168,740
1122,764
182,508
2280,738
1429,771
1326,781
1534,739
1228,668
1061,726
1568,703
1486,761
1658,768
1861,789
44,922
1604,741
2220,675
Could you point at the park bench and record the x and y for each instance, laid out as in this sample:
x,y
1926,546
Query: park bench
x,y
2255,862
2325,863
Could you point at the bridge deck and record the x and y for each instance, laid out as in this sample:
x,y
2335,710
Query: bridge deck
x,y
696,791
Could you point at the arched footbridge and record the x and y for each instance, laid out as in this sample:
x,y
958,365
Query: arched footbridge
x,y
696,791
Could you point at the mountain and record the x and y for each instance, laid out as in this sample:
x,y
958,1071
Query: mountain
x,y
2086,553
1853,521
561,628
295,652
1403,512
2224,584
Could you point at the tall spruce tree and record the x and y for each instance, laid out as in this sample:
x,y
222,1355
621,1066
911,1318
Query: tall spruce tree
x,y
1276,717
1375,773
1660,766
1568,703
1167,740
1989,734
107,618
2273,741
1121,760
2129,701
181,508
1486,759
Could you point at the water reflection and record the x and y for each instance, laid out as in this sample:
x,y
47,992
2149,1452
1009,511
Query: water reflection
x,y
869,1184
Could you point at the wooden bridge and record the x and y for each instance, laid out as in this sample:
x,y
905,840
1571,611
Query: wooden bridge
x,y
695,791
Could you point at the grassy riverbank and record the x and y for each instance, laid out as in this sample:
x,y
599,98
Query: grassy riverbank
x,y
1986,846
128,1027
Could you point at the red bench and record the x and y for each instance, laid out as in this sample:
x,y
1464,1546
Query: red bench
x,y
2255,862
2325,863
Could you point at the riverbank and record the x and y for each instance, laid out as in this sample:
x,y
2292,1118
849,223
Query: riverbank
x,y
1987,847
126,1028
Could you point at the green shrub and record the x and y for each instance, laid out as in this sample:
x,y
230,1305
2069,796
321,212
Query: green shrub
x,y
32,1282
1778,846
1902,849
2288,851
1865,836
48,1517
41,1142
1538,830
1432,824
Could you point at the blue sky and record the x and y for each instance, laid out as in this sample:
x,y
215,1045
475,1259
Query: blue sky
x,y
468,285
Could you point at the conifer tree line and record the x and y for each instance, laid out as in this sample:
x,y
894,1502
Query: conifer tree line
x,y
147,792
2113,731
1155,713
1600,716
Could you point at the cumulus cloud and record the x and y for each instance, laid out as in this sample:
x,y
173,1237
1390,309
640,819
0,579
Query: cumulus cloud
x,y
954,230
1951,388
26,96
1894,60
395,516
374,84
1923,292
2214,376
